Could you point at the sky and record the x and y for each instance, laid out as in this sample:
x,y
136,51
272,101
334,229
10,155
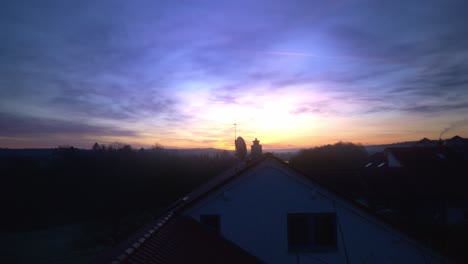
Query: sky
x,y
293,74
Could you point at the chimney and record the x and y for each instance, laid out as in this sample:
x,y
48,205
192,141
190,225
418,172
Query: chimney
x,y
256,149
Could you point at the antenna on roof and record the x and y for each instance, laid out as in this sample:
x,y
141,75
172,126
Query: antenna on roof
x,y
235,145
240,146
235,131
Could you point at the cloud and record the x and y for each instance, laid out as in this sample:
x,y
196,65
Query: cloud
x,y
307,110
421,48
429,109
225,98
142,62
418,108
112,100
440,77
14,126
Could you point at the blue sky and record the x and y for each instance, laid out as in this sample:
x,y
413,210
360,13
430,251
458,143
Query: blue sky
x,y
181,73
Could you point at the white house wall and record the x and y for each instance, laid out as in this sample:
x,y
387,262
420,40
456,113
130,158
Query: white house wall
x,y
253,211
392,160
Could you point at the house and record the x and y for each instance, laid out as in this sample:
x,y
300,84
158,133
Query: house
x,y
438,156
429,202
457,140
266,211
459,145
425,142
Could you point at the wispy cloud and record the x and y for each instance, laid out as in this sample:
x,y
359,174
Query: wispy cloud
x,y
14,125
429,109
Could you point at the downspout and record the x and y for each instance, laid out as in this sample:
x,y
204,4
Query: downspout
x,y
341,234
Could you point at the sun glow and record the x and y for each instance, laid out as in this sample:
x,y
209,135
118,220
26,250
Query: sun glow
x,y
270,116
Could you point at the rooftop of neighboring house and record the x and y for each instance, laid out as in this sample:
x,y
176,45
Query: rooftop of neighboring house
x,y
424,156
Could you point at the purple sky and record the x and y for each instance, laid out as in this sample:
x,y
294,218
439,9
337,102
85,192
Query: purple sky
x,y
181,73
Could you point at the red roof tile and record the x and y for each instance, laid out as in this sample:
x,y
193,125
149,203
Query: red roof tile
x,y
179,239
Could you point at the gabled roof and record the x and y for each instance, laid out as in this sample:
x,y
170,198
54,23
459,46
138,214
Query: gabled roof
x,y
196,241
456,138
425,141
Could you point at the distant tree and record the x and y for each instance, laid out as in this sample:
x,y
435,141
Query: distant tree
x,y
117,145
65,147
126,148
66,151
157,146
341,155
96,147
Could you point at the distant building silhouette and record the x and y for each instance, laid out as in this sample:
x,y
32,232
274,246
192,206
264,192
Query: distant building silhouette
x,y
256,149
422,157
425,142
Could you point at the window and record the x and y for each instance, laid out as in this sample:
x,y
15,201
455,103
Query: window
x,y
212,221
312,231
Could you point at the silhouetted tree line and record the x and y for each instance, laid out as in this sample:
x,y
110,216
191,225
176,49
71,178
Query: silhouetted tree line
x,y
339,156
105,183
